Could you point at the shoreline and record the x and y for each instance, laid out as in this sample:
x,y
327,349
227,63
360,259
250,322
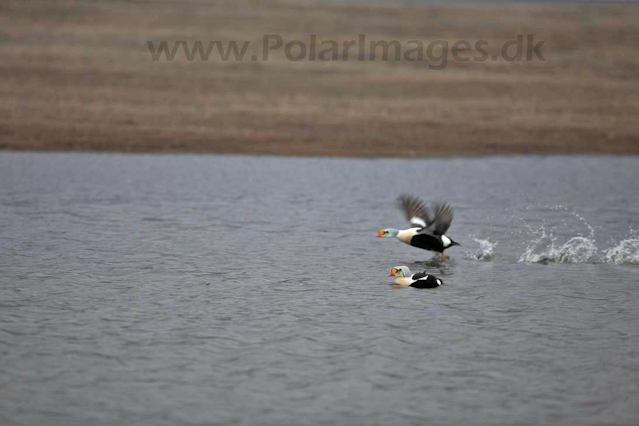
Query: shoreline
x,y
324,156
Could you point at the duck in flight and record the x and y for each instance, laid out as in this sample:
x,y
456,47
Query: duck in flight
x,y
404,278
428,225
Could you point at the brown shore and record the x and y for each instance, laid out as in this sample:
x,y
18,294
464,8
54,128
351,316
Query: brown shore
x,y
79,76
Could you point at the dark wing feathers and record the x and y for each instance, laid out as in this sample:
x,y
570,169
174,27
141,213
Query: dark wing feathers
x,y
424,280
437,219
419,275
414,208
443,218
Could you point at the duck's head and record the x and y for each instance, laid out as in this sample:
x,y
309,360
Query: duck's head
x,y
388,232
400,271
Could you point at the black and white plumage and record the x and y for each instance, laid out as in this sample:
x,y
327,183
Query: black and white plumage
x,y
428,225
404,278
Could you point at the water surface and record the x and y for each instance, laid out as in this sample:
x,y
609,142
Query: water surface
x,y
193,290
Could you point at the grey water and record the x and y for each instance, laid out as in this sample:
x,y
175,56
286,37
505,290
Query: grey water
x,y
231,290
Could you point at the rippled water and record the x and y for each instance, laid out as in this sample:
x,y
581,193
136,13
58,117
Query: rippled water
x,y
164,290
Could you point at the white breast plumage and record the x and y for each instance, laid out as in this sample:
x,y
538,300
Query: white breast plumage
x,y
403,281
406,235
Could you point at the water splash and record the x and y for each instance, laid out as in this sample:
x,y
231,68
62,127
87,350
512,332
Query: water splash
x,y
578,249
543,248
484,252
626,252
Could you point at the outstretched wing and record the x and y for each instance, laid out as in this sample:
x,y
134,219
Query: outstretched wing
x,y
443,214
414,210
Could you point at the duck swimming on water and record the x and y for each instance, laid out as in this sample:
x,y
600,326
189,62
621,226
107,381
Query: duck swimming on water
x,y
404,278
428,226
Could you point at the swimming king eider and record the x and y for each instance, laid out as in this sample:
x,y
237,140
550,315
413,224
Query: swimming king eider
x,y
418,280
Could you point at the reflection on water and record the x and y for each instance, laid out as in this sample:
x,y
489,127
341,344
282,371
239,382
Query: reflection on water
x,y
238,290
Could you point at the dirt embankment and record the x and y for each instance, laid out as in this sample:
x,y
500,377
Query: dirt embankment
x,y
80,76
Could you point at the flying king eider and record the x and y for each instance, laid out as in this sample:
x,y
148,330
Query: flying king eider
x,y
428,227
